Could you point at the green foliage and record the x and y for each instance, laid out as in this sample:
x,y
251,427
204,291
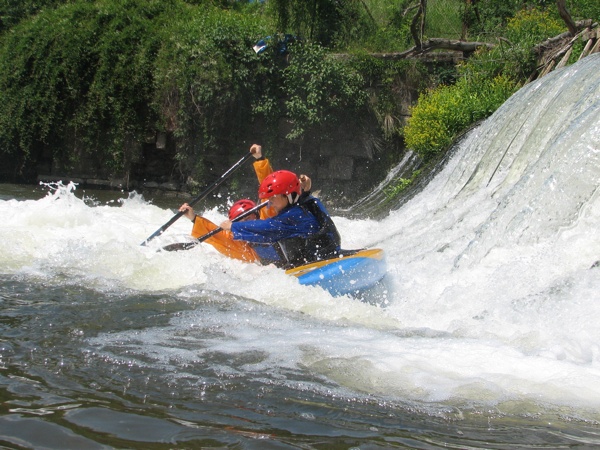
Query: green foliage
x,y
584,9
489,17
330,23
444,18
117,70
97,77
486,80
82,71
513,55
384,80
392,30
318,89
205,81
81,77
400,185
530,26
13,11
443,113
390,37
577,49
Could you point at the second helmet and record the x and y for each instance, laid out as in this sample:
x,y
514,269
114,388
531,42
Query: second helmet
x,y
239,207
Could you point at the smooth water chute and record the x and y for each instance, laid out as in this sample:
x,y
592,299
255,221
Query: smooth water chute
x,y
550,169
526,172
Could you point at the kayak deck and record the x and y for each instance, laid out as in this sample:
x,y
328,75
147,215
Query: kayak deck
x,y
344,275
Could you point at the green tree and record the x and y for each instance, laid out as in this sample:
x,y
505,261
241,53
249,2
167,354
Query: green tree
x,y
13,11
206,79
317,90
329,22
82,75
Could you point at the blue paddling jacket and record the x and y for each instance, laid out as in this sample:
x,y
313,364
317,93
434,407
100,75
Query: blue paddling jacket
x,y
301,233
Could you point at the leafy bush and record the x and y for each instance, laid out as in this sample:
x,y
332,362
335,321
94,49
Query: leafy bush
x,y
444,19
385,81
485,82
442,114
13,11
400,185
330,23
316,90
205,80
513,55
81,72
392,31
94,78
489,17
584,9
530,26
98,77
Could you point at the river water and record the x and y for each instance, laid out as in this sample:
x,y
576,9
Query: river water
x,y
484,334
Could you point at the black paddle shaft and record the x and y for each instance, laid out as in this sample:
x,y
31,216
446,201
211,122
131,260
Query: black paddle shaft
x,y
187,245
202,196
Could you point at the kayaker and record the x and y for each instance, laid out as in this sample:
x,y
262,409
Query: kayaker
x,y
301,232
223,241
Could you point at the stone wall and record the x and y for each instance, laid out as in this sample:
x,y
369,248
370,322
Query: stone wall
x,y
342,164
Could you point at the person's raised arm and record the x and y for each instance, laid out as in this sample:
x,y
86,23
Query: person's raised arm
x,y
262,166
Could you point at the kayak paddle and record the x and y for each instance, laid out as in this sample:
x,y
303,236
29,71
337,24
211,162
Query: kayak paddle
x,y
202,196
187,245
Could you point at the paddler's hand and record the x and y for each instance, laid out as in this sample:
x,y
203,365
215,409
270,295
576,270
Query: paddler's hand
x,y
256,151
226,225
305,183
187,211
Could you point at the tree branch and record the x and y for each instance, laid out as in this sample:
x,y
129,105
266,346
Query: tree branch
x,y
434,44
415,29
551,42
562,10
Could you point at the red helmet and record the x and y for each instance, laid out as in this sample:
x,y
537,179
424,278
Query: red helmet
x,y
240,207
280,182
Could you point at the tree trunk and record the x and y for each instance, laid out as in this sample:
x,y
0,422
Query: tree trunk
x,y
470,9
417,26
467,48
562,10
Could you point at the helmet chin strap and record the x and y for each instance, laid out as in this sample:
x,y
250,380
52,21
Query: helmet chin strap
x,y
293,198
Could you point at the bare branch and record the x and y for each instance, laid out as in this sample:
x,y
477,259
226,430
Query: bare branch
x,y
562,10
435,44
418,23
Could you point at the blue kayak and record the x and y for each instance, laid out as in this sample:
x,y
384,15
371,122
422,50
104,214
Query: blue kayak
x,y
355,271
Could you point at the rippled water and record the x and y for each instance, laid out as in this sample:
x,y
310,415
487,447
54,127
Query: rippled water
x,y
484,334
